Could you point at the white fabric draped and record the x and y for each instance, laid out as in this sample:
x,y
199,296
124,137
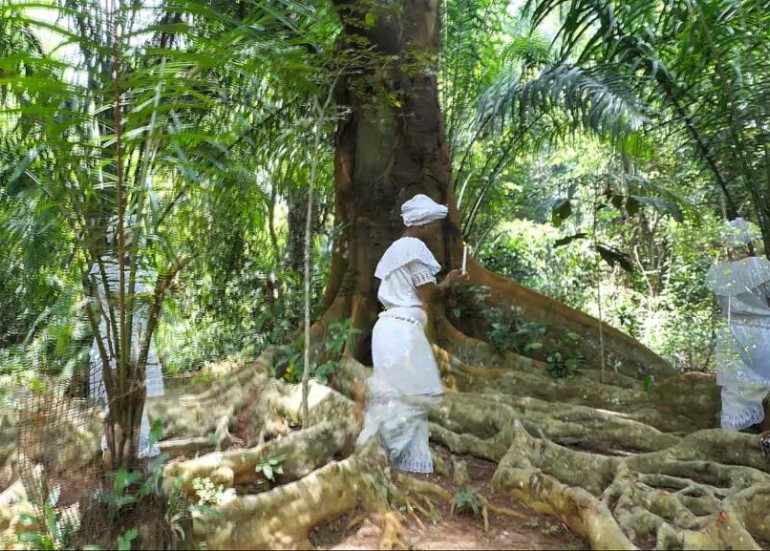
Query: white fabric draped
x,y
407,264
153,371
742,289
405,384
421,209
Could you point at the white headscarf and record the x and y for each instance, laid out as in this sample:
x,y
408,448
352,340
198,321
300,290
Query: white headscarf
x,y
421,209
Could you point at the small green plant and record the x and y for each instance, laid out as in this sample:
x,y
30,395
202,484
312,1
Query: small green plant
x,y
551,529
340,333
51,529
130,486
288,361
323,371
178,511
500,334
648,382
120,495
125,539
508,331
270,467
532,524
567,360
467,500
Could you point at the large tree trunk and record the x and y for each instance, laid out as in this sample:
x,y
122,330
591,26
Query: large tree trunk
x,y
619,464
390,146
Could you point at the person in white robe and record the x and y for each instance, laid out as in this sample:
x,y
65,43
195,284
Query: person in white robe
x,y
406,383
153,371
742,289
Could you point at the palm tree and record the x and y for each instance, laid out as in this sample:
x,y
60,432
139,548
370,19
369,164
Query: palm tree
x,y
701,67
134,135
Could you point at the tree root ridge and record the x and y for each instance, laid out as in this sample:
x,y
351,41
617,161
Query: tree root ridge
x,y
319,479
706,490
283,517
611,477
620,466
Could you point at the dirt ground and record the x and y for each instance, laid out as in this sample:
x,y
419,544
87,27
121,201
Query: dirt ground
x,y
443,530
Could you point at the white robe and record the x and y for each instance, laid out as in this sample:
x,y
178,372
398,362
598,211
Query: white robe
x,y
406,381
153,377
742,289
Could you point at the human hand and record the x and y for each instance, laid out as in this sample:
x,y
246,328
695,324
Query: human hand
x,y
456,275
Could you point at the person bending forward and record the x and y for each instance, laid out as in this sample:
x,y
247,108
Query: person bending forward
x,y
406,382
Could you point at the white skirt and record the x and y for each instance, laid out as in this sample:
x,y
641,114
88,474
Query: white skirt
x,y
743,361
405,385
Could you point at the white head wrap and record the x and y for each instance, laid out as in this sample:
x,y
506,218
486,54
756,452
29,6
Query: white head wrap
x,y
421,209
738,233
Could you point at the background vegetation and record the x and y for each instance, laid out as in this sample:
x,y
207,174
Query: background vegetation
x,y
588,162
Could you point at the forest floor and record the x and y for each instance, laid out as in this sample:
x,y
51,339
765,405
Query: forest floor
x,y
444,530
441,529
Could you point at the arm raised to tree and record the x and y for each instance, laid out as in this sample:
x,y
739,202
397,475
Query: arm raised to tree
x,y
428,291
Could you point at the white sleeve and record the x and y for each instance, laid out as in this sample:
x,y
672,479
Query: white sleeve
x,y
421,273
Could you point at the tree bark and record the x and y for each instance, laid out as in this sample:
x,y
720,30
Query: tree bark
x,y
390,146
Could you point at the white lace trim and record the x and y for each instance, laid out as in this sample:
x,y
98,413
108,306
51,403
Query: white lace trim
x,y
733,278
409,319
413,462
402,252
422,276
751,416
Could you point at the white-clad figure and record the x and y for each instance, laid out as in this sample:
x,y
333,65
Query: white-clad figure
x,y
742,289
153,373
406,382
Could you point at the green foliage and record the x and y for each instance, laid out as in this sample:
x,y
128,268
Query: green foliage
x,y
271,467
129,486
212,141
648,382
340,333
125,539
467,500
289,360
700,69
663,302
210,494
53,529
565,360
120,494
508,331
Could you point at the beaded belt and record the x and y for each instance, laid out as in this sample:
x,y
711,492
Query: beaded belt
x,y
407,319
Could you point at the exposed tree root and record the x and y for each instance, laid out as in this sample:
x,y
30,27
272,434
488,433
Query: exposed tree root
x,y
315,486
701,491
283,517
304,451
623,354
680,404
618,464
